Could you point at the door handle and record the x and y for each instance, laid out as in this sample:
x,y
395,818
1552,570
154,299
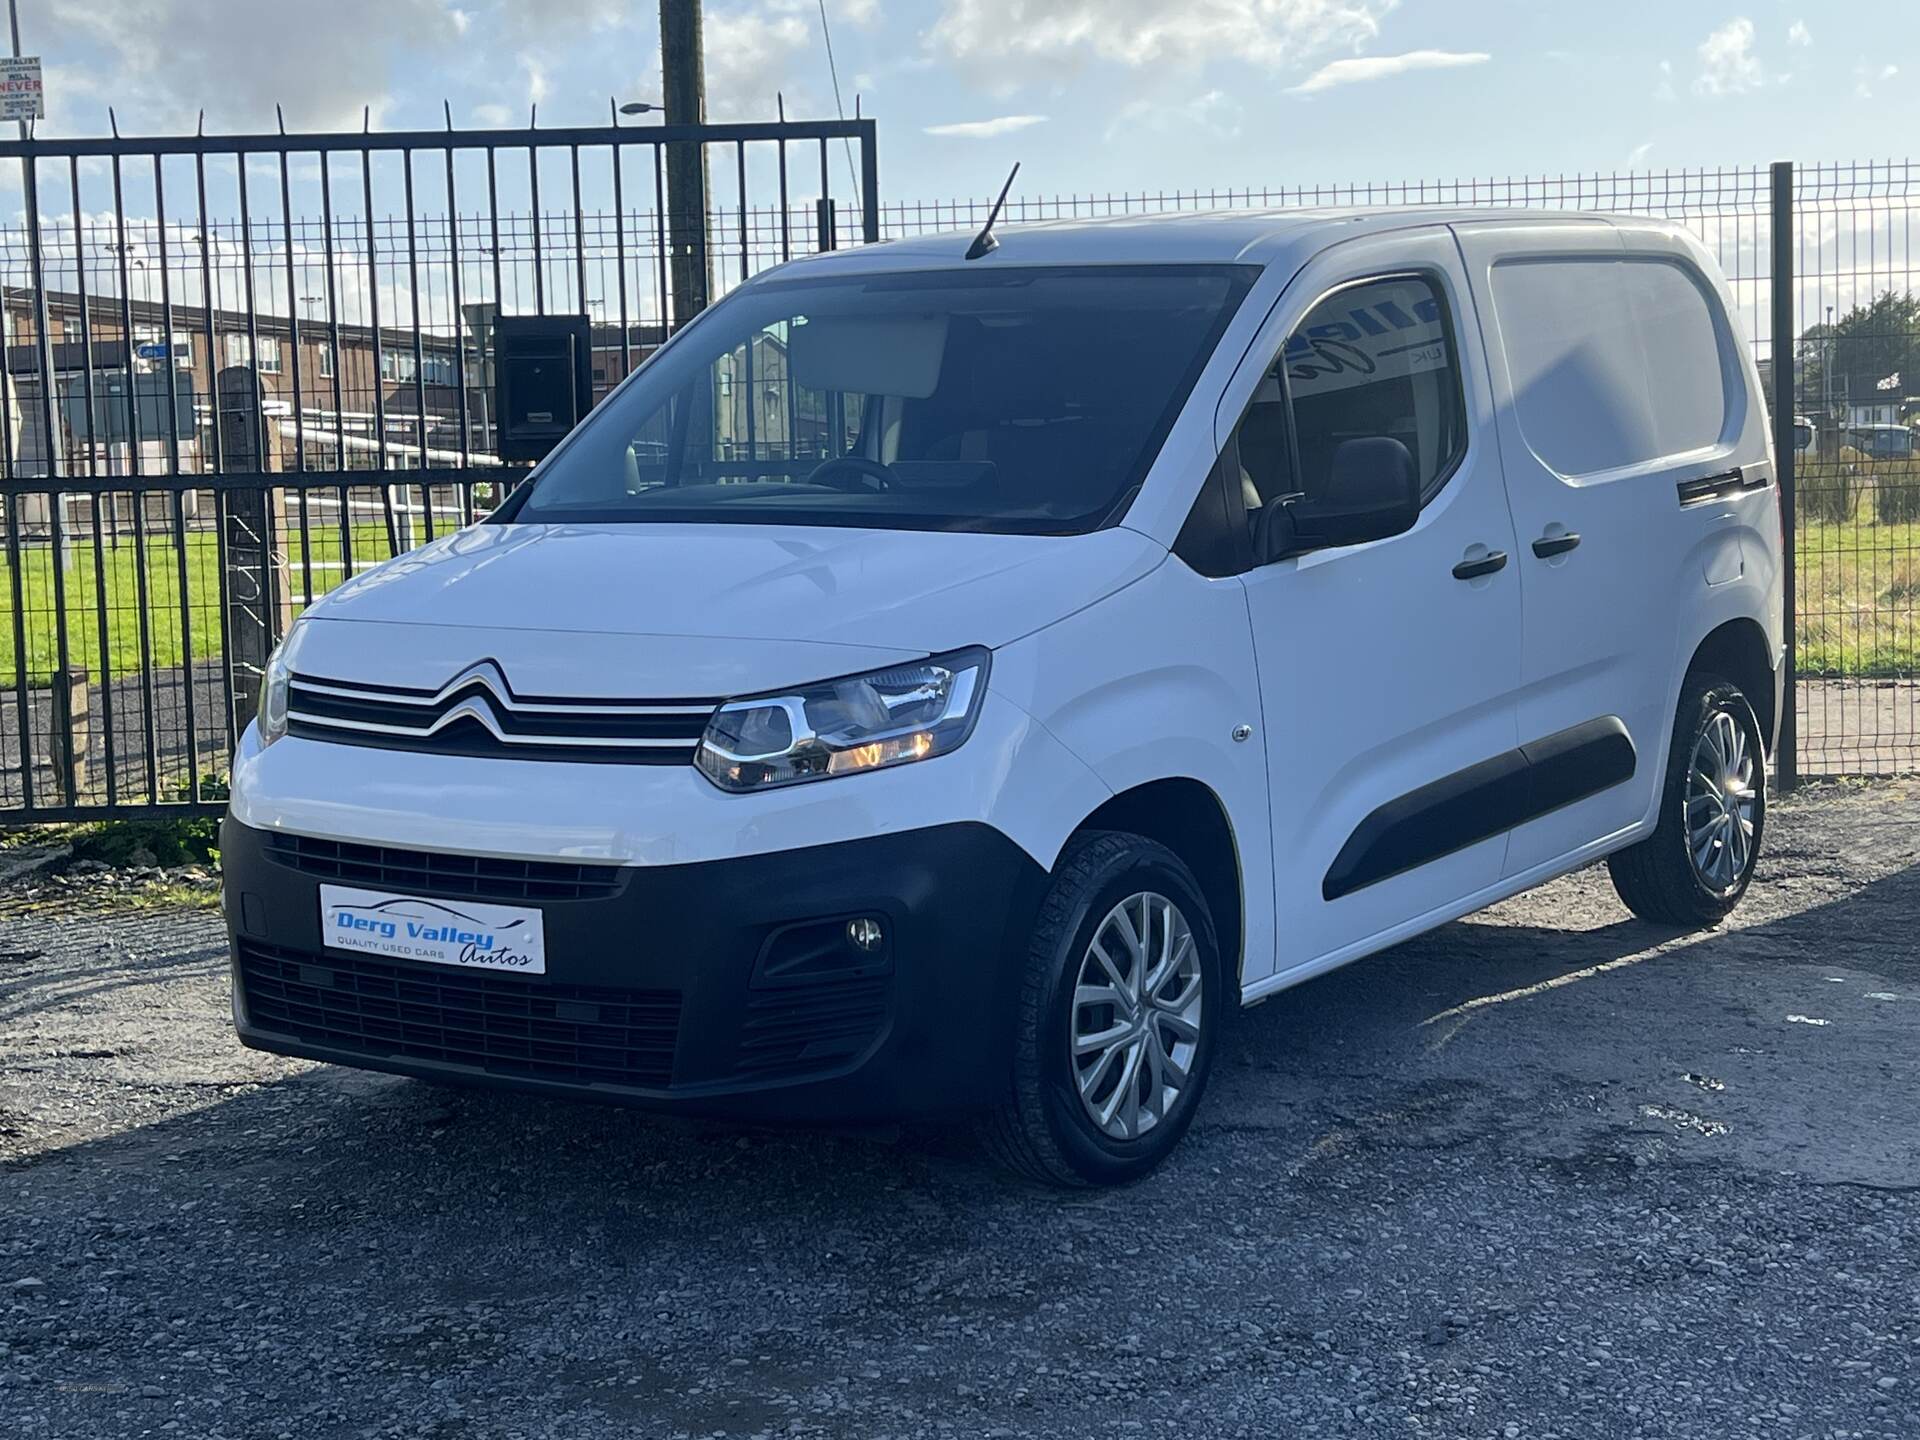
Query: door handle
x,y
1547,546
1487,564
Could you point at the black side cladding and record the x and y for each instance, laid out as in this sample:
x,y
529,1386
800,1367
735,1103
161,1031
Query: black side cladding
x,y
1484,800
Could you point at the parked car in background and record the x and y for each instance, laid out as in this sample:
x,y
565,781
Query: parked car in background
x,y
937,684
1882,442
1806,437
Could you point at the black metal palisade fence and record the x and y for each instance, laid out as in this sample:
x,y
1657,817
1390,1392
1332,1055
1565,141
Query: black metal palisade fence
x,y
181,317
328,318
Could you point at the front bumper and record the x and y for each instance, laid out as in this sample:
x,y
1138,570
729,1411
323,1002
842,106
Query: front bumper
x,y
717,987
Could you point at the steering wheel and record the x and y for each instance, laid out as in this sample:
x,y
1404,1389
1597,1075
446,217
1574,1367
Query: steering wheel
x,y
846,472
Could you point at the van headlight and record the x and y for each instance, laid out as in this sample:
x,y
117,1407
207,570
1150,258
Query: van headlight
x,y
272,715
844,727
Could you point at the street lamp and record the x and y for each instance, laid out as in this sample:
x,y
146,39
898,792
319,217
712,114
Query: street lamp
x,y
640,107
1826,366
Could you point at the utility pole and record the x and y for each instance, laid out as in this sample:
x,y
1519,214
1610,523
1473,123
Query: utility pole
x,y
683,74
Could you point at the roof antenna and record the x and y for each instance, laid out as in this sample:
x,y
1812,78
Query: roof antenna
x,y
984,243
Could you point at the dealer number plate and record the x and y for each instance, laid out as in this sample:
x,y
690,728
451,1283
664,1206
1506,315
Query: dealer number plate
x,y
442,932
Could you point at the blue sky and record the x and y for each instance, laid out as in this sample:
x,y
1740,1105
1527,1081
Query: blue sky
x,y
1091,95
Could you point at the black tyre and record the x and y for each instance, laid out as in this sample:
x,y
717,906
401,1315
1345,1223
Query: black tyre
x,y
1697,863
1120,1007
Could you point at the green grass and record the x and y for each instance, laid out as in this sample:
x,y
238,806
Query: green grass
x,y
1858,599
189,840
167,639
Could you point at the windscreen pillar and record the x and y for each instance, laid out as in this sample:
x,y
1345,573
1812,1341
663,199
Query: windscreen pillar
x,y
259,600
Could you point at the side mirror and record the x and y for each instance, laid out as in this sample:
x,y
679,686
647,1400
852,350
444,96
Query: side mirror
x,y
1373,492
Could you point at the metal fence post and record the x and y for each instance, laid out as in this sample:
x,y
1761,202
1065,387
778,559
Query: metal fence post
x,y
869,186
255,589
72,730
1787,743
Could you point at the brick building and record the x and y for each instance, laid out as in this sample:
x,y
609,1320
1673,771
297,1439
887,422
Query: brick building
x,y
348,379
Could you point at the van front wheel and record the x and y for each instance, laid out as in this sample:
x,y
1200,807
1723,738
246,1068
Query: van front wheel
x,y
1118,1013
1696,865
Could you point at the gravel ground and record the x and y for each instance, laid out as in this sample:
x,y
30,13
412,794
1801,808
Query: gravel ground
x,y
1548,1172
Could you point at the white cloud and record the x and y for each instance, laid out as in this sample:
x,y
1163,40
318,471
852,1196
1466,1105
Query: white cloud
x,y
1215,113
1639,154
1042,34
1380,67
861,13
986,129
492,117
750,58
1664,90
543,39
323,62
538,86
1728,65
1798,34
549,21
1865,75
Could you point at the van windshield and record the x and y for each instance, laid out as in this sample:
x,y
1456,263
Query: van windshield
x,y
1020,400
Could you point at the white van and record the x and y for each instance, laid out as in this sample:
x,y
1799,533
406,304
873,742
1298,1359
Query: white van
x,y
936,684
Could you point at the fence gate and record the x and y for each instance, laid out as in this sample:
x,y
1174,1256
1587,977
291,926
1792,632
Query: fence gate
x,y
182,317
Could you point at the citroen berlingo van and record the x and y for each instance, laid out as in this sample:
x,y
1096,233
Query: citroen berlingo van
x,y
951,678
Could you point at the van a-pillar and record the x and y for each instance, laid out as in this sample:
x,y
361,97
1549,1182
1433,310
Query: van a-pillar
x,y
683,74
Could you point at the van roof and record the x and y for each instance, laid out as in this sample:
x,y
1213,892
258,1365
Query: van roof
x,y
1258,237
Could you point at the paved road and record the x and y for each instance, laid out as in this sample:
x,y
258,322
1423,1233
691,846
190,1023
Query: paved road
x,y
1549,1172
1859,727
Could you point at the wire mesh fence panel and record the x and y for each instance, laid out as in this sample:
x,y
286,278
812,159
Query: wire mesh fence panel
x,y
1857,383
181,317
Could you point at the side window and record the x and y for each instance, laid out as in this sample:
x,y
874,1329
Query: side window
x,y
1369,360
1615,361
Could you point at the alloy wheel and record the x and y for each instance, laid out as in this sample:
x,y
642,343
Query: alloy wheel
x,y
1722,803
1137,1012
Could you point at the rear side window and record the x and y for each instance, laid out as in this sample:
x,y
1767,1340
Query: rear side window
x,y
1370,360
1615,362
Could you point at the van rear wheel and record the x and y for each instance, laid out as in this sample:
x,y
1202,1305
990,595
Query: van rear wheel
x,y
1699,860
1117,1017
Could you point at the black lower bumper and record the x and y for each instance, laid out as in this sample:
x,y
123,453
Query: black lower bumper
x,y
725,987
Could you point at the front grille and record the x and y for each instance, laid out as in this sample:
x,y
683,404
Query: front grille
x,y
504,1025
801,1028
477,713
469,877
